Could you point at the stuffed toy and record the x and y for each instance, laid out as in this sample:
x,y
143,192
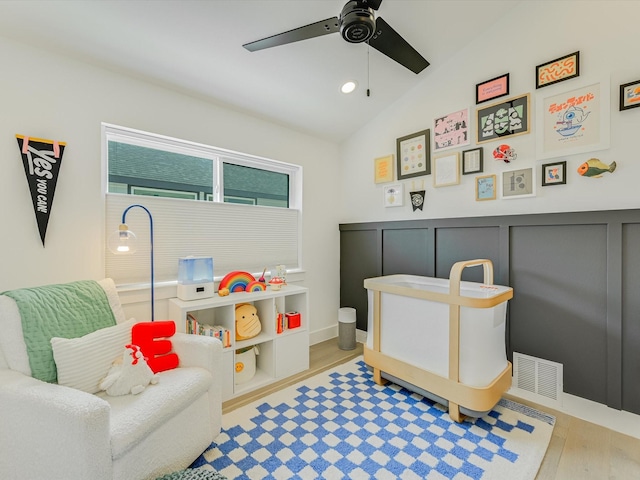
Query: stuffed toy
x,y
129,374
247,321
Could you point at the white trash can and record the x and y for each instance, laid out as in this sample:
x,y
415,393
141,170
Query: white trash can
x,y
347,328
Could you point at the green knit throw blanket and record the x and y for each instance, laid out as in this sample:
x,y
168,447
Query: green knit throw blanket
x,y
68,310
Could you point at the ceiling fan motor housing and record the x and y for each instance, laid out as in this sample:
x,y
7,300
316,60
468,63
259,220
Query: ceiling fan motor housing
x,y
357,22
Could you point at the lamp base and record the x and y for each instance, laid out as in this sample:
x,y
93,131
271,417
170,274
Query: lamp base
x,y
195,291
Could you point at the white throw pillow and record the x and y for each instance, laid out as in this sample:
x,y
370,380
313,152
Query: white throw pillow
x,y
82,362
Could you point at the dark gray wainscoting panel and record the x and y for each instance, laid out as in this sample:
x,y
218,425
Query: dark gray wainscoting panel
x,y
406,251
475,242
631,318
359,259
575,275
559,308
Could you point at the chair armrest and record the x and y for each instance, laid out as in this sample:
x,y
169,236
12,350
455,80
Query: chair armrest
x,y
198,351
204,352
66,429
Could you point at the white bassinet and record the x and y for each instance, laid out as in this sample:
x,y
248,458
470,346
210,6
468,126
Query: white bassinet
x,y
444,339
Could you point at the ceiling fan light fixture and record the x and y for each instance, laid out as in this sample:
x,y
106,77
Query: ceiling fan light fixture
x,y
349,86
357,22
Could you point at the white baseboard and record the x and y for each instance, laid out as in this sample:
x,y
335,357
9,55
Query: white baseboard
x,y
321,335
617,420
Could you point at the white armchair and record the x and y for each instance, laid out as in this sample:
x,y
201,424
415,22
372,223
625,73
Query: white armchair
x,y
50,431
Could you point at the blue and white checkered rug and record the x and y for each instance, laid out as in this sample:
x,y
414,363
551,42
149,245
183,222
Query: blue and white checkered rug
x,y
340,424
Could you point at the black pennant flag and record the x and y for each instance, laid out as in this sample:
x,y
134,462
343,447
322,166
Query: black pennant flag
x,y
41,159
417,200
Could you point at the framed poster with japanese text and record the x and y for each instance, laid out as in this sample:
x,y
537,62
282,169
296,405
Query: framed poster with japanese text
x,y
573,121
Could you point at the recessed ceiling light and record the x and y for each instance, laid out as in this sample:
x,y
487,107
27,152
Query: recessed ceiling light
x,y
349,87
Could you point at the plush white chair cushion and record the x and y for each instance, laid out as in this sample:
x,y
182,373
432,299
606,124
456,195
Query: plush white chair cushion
x,y
83,362
133,417
109,288
12,341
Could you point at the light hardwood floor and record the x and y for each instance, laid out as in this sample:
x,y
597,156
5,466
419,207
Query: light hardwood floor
x,y
578,450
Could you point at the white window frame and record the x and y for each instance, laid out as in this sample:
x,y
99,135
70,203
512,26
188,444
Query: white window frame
x,y
127,271
217,155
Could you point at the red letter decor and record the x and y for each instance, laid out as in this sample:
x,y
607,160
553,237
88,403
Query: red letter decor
x,y
156,351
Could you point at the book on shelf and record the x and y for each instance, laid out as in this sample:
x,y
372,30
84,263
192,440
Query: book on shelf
x,y
287,321
217,331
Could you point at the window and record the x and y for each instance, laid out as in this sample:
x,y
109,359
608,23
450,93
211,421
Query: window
x,y
242,210
141,163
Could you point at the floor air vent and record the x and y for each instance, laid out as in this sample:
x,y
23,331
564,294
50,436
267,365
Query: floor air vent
x,y
538,376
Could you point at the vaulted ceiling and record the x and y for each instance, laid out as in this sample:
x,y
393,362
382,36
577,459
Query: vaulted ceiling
x,y
195,46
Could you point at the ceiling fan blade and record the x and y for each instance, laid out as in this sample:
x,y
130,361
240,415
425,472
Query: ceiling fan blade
x,y
375,4
386,40
324,27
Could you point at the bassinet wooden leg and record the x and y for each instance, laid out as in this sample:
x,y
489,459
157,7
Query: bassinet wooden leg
x,y
377,377
454,412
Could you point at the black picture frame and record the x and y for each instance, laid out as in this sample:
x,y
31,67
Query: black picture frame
x,y
414,155
551,177
472,161
627,88
484,90
503,119
558,70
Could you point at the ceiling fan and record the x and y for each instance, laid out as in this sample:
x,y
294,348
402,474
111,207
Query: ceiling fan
x,y
357,24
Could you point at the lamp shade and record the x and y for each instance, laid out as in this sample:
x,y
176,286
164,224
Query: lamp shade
x,y
122,241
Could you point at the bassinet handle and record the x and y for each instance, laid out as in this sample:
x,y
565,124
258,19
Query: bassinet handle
x,y
456,273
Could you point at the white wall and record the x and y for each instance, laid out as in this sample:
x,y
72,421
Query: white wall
x,y
531,34
48,96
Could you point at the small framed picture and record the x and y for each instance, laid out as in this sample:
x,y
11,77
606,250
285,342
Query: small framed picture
x,y
505,118
554,174
558,70
518,183
394,195
413,154
472,161
451,130
485,188
446,170
494,88
383,169
630,95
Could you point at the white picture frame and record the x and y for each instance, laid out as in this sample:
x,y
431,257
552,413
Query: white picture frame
x,y
394,195
573,118
446,169
518,183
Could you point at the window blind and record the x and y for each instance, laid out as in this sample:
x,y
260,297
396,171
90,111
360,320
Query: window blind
x,y
237,237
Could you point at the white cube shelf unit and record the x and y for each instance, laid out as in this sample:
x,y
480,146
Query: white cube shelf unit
x,y
280,354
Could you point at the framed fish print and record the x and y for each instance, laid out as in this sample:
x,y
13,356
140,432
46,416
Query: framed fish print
x,y
503,119
554,174
573,121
